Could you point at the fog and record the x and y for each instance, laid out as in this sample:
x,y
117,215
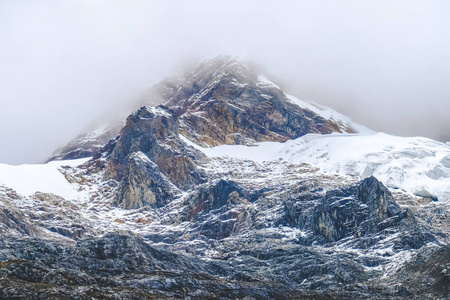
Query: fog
x,y
64,64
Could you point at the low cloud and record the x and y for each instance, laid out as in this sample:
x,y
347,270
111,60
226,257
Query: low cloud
x,y
65,64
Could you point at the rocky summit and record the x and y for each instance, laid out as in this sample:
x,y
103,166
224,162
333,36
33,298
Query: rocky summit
x,y
221,186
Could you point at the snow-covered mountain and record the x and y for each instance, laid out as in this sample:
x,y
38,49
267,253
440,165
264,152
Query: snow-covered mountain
x,y
230,189
210,96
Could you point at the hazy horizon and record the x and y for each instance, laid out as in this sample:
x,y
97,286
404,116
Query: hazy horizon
x,y
66,64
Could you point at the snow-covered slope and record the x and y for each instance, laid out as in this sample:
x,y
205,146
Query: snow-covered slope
x,y
46,178
417,165
331,114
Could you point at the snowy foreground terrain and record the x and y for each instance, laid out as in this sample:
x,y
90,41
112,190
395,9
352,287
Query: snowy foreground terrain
x,y
230,190
84,205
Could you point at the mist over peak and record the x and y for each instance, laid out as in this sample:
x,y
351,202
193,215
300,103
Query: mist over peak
x,y
65,64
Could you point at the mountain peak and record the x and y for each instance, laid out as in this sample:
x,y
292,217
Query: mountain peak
x,y
276,220
221,63
222,100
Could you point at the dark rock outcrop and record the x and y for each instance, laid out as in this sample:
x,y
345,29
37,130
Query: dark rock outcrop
x,y
118,266
366,209
221,101
428,275
383,211
219,209
221,194
293,233
218,101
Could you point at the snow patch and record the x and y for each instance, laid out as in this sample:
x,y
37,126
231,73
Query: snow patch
x,y
262,80
30,178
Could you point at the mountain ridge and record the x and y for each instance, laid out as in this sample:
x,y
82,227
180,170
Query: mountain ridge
x,y
205,197
184,91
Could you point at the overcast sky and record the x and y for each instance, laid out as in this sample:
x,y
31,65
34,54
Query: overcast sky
x,y
64,64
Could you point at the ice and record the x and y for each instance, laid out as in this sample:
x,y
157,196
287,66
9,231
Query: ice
x,y
413,164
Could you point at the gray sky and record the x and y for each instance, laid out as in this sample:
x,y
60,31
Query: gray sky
x,y
64,64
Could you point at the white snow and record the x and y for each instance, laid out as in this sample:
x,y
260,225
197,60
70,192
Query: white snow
x,y
157,111
259,153
30,178
416,165
264,81
330,114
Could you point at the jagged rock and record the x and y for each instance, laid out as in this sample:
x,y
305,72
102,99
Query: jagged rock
x,y
13,221
428,275
93,143
149,158
118,266
144,185
154,132
225,102
380,205
221,227
366,209
223,193
225,199
218,101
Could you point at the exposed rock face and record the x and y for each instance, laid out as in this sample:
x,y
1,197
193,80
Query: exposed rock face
x,y
144,185
220,208
91,143
261,241
225,102
118,266
220,102
149,158
427,275
364,210
382,209
13,221
154,132
38,222
258,262
215,196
